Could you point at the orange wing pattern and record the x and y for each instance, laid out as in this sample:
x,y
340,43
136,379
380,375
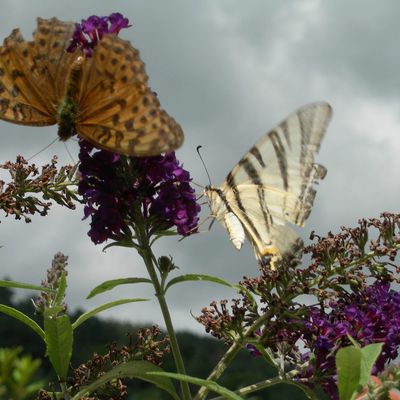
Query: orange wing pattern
x,y
116,110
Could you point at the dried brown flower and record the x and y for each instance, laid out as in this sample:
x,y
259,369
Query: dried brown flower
x,y
16,196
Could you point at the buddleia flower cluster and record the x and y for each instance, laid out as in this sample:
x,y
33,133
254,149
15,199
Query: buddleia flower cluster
x,y
54,274
353,279
19,197
150,345
371,315
122,191
88,33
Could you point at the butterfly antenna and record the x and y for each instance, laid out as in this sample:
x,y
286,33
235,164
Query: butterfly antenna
x,y
201,158
44,148
69,153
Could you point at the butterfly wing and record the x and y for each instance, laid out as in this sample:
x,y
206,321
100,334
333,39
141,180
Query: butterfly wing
x,y
118,111
273,183
33,74
52,63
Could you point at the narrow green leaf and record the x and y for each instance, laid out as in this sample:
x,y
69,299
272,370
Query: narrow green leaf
x,y
131,369
211,385
12,312
198,277
59,338
20,285
61,289
101,308
111,284
166,233
53,311
126,243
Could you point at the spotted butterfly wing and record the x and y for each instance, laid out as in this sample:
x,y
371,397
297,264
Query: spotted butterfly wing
x,y
273,185
105,99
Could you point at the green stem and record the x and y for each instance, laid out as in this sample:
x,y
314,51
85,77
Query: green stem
x,y
219,369
245,391
65,391
228,357
147,255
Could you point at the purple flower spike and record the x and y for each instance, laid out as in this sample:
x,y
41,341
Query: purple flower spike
x,y
116,187
370,316
175,200
88,33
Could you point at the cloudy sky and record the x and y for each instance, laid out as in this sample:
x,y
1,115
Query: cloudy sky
x,y
228,71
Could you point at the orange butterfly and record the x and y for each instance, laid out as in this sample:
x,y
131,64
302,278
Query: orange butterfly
x,y
105,99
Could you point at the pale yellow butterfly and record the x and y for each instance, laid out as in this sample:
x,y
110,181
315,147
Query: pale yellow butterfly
x,y
273,184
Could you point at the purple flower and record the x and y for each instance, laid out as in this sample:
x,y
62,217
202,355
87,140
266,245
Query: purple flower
x,y
91,30
254,352
117,21
121,191
175,200
370,316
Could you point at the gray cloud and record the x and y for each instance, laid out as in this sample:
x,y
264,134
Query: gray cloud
x,y
228,71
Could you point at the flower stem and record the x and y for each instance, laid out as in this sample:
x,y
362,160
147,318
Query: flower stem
x,y
65,391
147,255
228,357
219,369
245,391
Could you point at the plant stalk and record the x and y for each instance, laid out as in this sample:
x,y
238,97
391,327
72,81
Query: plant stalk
x,y
65,391
219,369
147,255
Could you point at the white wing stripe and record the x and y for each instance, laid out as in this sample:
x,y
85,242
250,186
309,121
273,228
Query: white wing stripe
x,y
255,178
230,180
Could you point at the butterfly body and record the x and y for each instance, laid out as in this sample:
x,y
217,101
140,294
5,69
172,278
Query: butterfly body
x,y
221,211
67,112
105,99
272,185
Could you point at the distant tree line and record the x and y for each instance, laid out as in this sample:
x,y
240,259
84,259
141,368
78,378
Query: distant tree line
x,y
200,353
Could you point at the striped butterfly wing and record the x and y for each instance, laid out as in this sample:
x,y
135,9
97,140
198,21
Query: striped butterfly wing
x,y
273,183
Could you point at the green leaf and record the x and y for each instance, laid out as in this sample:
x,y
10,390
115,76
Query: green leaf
x,y
19,285
101,308
167,232
198,277
61,289
354,367
53,311
131,369
12,312
59,340
108,285
370,354
124,243
211,385
348,363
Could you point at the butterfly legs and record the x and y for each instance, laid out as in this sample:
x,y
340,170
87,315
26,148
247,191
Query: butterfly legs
x,y
202,222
